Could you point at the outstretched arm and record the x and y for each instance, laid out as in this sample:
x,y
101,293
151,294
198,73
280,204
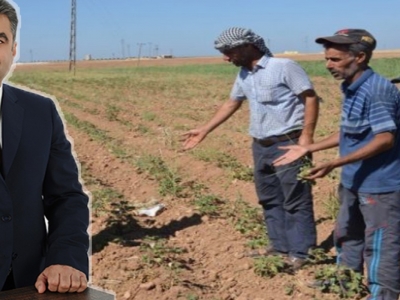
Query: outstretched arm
x,y
296,151
193,137
381,142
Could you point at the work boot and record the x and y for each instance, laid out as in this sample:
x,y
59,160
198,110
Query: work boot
x,y
295,263
268,251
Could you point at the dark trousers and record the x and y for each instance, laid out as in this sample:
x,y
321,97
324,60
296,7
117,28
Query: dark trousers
x,y
287,202
368,228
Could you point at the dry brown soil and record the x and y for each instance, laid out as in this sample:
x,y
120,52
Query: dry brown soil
x,y
214,264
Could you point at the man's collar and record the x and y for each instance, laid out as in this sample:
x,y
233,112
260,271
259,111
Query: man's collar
x,y
261,64
360,80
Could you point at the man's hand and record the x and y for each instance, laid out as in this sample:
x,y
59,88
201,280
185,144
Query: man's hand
x,y
319,171
192,138
62,279
295,152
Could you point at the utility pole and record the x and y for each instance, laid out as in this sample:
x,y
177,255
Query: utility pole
x,y
123,48
150,49
306,43
31,53
72,44
156,50
140,50
129,50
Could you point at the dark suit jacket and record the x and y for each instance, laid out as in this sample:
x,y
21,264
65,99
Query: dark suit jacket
x,y
40,179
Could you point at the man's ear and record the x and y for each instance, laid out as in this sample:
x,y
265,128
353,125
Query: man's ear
x,y
361,57
14,49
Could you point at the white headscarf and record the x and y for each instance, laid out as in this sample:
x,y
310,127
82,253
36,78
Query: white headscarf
x,y
236,36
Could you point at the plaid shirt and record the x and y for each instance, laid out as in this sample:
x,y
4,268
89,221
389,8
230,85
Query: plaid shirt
x,y
272,89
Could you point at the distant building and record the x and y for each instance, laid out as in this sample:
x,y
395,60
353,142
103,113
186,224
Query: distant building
x,y
291,52
88,57
165,56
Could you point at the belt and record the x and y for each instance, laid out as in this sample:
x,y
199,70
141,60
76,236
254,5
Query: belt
x,y
278,138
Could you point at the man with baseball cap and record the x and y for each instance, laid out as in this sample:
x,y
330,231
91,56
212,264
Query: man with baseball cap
x,y
283,111
368,223
350,37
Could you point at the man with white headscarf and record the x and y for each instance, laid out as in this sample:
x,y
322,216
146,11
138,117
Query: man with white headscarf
x,y
283,111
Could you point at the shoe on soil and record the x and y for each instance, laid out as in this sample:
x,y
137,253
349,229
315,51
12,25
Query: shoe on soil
x,y
268,251
326,285
295,263
319,284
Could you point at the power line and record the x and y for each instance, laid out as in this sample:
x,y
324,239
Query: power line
x,y
106,17
72,43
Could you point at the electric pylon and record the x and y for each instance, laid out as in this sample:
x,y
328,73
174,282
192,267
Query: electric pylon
x,y
72,44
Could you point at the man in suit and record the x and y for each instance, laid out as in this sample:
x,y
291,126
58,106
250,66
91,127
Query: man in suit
x,y
39,179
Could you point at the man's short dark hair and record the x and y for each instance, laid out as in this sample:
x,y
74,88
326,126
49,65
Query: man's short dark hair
x,y
9,11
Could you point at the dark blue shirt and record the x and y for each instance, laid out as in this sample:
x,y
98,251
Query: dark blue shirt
x,y
371,105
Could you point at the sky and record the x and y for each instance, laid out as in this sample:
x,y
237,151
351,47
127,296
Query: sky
x,y
182,28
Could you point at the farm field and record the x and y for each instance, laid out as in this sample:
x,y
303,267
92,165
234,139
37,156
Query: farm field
x,y
126,119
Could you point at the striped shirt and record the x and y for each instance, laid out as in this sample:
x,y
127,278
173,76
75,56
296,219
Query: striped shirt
x,y
371,105
272,89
